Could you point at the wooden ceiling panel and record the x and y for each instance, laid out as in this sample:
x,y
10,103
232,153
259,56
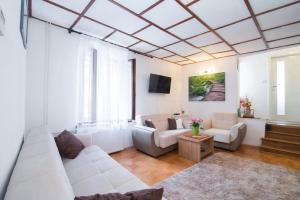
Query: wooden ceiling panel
x,y
284,42
122,39
252,46
143,47
92,28
186,62
215,48
282,32
218,13
239,32
107,13
264,5
205,39
136,6
51,13
162,16
280,17
200,57
156,36
160,53
188,29
183,49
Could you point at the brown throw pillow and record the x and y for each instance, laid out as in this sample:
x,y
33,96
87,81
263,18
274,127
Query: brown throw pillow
x,y
149,123
147,194
172,124
68,145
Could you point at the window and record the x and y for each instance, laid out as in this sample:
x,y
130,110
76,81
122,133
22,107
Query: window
x,y
280,88
108,87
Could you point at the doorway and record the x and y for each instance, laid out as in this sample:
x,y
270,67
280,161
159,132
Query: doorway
x,y
285,88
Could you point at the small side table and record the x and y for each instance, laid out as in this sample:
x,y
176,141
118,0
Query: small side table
x,y
195,148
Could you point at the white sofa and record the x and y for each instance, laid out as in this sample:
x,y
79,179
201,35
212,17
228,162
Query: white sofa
x,y
228,133
41,174
159,140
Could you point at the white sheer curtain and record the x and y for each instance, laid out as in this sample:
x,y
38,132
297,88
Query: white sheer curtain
x,y
112,87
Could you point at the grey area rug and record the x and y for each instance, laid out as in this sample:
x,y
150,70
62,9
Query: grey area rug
x,y
225,176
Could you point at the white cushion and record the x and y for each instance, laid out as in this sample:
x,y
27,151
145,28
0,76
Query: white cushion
x,y
39,172
94,171
220,135
179,123
168,138
224,120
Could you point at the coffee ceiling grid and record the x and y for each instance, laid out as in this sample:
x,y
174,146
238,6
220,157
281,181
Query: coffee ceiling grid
x,y
190,33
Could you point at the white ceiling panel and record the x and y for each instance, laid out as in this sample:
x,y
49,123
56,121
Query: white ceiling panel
x,y
160,53
167,13
92,28
77,6
259,6
280,17
185,62
246,47
175,58
228,53
216,48
239,32
122,39
136,6
285,31
200,57
156,36
143,47
56,15
188,29
205,39
217,13
108,13
283,42
183,49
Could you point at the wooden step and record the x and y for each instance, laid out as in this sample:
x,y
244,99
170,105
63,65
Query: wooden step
x,y
281,144
281,151
282,136
283,128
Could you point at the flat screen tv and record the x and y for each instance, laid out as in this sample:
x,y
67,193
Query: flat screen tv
x,y
159,84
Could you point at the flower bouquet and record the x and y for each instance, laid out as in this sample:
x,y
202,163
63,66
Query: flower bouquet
x,y
196,123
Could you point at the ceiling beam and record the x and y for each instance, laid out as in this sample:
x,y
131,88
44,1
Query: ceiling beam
x,y
206,25
296,22
256,22
292,36
277,8
62,7
191,3
30,8
181,22
150,7
82,13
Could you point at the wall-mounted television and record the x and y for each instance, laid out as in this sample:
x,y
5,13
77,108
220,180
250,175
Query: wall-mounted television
x,y
159,84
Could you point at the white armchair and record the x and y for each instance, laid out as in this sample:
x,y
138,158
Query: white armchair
x,y
228,133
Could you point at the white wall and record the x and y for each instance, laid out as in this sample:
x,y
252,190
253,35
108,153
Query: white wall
x,y
254,73
205,109
153,103
12,90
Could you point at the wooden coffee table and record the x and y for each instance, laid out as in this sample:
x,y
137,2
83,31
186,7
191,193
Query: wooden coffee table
x,y
195,148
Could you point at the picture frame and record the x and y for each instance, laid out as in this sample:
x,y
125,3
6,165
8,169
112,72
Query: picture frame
x,y
24,22
207,87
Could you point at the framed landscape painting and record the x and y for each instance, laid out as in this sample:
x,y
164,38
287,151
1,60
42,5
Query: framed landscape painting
x,y
208,87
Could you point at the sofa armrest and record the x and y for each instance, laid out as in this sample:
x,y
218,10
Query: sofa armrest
x,y
237,129
207,124
147,132
85,138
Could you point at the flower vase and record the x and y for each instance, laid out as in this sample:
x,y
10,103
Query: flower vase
x,y
195,130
